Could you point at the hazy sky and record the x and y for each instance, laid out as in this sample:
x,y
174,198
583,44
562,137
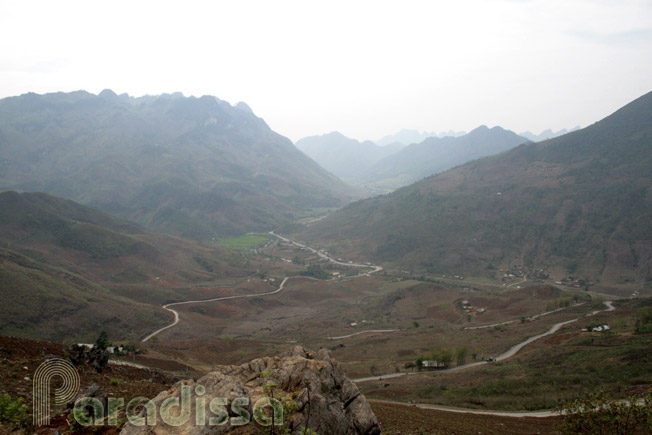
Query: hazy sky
x,y
365,68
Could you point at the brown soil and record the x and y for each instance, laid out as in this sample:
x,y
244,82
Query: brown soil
x,y
19,359
405,419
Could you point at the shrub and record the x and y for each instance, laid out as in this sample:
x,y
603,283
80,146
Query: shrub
x,y
14,412
601,414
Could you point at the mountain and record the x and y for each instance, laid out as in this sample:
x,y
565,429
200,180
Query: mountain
x,y
345,157
193,167
67,272
407,137
546,134
434,155
579,204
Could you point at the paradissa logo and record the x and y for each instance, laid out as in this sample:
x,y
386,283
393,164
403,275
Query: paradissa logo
x,y
174,411
177,411
41,393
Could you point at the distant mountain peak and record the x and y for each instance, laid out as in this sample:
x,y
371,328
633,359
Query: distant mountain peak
x,y
547,134
480,129
108,94
244,107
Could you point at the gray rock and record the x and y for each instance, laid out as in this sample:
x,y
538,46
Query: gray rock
x,y
95,392
313,386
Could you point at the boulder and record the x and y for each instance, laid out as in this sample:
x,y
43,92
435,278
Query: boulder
x,y
311,388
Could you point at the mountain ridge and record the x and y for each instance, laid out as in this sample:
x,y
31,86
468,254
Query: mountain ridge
x,y
194,167
576,204
435,155
68,272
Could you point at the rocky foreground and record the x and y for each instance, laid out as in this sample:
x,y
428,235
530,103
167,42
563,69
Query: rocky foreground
x,y
310,387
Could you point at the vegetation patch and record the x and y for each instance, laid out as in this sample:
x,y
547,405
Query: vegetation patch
x,y
244,242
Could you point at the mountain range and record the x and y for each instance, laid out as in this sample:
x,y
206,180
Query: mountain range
x,y
435,155
385,168
345,157
578,204
194,167
546,134
407,137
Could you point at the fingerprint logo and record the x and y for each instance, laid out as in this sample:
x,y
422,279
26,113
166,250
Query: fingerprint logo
x,y
41,388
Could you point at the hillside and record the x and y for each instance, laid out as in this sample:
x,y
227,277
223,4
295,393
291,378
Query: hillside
x,y
193,167
435,155
68,272
579,204
345,157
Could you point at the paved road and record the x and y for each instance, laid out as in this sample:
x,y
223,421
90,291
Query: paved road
x,y
223,298
536,316
328,257
175,313
517,283
362,332
472,411
508,354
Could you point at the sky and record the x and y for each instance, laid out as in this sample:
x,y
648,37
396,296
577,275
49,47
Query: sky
x,y
364,68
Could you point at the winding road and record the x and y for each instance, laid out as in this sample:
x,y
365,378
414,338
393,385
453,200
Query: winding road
x,y
508,354
223,298
328,257
175,313
511,352
503,356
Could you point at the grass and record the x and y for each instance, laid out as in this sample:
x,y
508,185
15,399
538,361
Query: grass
x,y
244,242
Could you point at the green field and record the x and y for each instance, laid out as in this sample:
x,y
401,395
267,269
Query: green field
x,y
244,242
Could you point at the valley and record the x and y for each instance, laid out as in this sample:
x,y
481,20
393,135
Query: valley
x,y
326,218
379,334
491,293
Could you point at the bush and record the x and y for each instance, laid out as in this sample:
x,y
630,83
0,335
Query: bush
x,y
316,271
14,412
601,414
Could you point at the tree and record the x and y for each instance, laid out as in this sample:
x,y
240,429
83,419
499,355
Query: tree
x,y
443,356
316,271
102,341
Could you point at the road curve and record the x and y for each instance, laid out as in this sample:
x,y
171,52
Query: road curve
x,y
508,354
327,257
223,298
175,313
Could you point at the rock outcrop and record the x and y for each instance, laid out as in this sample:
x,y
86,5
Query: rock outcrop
x,y
308,389
94,356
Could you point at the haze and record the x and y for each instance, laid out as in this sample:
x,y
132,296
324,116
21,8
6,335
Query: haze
x,y
366,69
